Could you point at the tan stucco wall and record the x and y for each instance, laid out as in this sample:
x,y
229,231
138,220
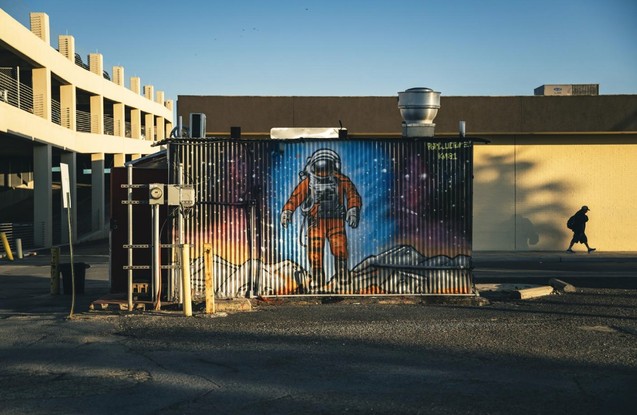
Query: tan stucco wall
x,y
494,196
525,190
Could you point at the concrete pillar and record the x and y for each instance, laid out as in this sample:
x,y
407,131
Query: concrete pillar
x,y
160,128
66,46
40,26
119,160
149,127
119,119
42,92
98,198
68,104
96,63
70,159
169,123
135,156
159,97
135,123
42,195
168,128
97,114
135,84
149,92
118,75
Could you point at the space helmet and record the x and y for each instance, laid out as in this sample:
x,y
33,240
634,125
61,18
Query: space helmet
x,y
323,162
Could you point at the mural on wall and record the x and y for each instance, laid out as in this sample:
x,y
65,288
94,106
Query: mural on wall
x,y
327,200
332,217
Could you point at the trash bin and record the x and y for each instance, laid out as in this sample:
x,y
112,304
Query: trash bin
x,y
79,268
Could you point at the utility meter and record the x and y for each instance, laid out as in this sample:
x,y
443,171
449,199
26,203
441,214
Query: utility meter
x,y
156,194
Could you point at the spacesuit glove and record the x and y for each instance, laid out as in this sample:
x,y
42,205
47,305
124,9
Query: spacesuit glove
x,y
353,216
286,218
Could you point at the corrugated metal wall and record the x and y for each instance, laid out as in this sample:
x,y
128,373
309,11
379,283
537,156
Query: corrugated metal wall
x,y
413,234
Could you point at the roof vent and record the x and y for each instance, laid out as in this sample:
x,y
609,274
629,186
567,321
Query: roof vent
x,y
418,107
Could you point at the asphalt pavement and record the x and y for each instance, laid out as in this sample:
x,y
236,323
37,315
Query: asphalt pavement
x,y
565,353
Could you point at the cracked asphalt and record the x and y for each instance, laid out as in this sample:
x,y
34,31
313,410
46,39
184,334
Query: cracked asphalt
x,y
574,353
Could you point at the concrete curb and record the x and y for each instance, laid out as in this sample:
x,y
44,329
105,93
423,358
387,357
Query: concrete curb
x,y
534,292
562,286
513,291
234,305
468,300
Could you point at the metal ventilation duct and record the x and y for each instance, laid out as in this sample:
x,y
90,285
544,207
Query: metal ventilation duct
x,y
418,107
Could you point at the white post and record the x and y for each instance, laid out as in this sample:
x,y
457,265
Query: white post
x,y
18,247
156,257
66,197
185,278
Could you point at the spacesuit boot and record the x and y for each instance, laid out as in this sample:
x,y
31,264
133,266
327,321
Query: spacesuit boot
x,y
342,273
318,280
303,281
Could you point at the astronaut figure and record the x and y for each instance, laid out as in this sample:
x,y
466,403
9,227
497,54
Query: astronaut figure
x,y
327,199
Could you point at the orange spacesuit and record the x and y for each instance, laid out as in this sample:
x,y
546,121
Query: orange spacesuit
x,y
327,199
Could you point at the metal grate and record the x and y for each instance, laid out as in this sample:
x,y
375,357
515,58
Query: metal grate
x,y
17,94
109,125
56,114
83,121
23,231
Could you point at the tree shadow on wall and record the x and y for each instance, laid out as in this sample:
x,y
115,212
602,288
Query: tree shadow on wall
x,y
526,234
512,214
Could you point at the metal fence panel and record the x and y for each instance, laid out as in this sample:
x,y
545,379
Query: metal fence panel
x,y
366,216
14,231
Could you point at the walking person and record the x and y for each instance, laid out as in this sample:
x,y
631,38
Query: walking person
x,y
577,223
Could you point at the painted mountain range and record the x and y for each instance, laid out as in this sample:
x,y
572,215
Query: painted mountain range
x,y
399,270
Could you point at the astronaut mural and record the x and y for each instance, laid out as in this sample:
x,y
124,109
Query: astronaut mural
x,y
327,199
328,217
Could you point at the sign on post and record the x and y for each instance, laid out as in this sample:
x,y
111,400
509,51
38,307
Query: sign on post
x,y
66,186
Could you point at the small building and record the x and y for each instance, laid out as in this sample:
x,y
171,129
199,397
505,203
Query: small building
x,y
306,211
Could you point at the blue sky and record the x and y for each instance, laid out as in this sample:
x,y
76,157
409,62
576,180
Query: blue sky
x,y
353,48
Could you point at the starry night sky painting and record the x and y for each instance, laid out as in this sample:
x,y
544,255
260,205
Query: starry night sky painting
x,y
413,230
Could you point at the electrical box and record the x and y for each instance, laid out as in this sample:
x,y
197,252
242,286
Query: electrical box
x,y
183,195
187,198
156,194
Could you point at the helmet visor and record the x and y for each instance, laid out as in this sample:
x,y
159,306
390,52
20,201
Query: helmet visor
x,y
323,167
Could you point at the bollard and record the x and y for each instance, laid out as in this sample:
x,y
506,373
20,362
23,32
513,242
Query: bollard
x,y
210,282
18,248
7,247
55,270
